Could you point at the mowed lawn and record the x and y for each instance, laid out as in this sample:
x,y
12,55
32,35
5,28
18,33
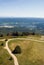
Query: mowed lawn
x,y
4,55
32,52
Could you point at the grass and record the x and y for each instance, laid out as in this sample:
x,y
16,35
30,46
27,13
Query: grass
x,y
8,37
4,56
32,52
30,36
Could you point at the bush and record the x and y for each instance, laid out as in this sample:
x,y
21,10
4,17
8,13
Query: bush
x,y
2,44
1,35
10,58
17,50
14,34
25,33
6,39
33,33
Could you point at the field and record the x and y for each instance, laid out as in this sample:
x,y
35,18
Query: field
x,y
32,52
4,55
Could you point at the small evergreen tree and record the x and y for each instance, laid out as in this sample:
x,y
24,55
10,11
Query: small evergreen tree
x,y
17,50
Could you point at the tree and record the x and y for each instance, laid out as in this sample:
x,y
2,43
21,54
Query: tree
x,y
2,44
17,50
33,33
6,39
1,35
15,34
25,33
8,34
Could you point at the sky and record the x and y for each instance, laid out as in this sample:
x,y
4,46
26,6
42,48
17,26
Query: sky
x,y
22,8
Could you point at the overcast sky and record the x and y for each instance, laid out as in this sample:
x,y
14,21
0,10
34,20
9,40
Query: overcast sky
x,y
21,8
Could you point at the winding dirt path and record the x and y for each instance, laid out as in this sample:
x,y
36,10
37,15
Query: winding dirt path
x,y
12,55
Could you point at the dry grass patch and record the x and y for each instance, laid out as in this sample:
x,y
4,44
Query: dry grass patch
x,y
32,52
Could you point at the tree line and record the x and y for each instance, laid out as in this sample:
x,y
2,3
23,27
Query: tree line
x,y
18,34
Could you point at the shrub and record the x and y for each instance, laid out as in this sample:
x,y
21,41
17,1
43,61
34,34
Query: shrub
x,y
6,39
17,50
1,35
2,44
10,58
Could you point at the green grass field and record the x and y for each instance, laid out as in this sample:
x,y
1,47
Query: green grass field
x,y
32,52
4,56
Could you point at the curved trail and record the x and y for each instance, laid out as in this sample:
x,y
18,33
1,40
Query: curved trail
x,y
12,55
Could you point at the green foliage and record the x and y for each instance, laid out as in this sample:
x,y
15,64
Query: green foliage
x,y
10,58
2,44
17,50
4,55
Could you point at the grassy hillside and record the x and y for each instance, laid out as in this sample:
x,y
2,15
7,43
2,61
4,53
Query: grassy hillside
x,y
4,55
32,52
